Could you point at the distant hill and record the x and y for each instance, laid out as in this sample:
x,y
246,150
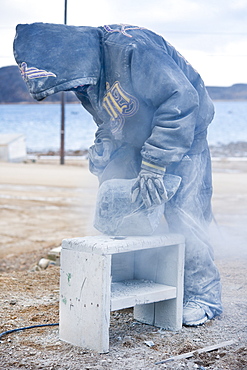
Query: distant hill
x,y
13,90
234,92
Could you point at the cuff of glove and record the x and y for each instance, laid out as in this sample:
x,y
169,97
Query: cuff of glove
x,y
103,134
153,167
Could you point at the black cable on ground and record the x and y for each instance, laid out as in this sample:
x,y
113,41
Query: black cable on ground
x,y
26,327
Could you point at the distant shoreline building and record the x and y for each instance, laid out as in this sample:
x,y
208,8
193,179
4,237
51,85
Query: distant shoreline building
x,y
12,148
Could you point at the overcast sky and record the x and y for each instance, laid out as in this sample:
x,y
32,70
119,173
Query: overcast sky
x,y
211,34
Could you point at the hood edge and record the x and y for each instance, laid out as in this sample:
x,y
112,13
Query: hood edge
x,y
63,87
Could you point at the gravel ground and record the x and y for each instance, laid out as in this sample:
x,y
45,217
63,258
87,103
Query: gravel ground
x,y
42,204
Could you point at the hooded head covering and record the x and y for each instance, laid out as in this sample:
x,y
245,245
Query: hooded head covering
x,y
56,57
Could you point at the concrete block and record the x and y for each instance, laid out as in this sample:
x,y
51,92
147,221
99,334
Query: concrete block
x,y
103,273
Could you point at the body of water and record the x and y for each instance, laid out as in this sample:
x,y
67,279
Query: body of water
x,y
229,124
40,123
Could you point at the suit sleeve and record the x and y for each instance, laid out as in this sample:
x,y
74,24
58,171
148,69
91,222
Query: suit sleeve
x,y
162,85
103,131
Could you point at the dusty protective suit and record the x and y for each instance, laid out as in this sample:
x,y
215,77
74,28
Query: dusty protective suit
x,y
152,111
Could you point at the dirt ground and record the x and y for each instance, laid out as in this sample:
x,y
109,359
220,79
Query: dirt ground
x,y
43,203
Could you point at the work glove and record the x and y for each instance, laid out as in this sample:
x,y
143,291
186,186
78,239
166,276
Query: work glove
x,y
100,154
150,187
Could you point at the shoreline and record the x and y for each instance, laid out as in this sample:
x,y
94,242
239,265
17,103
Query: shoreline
x,y
219,164
78,102
230,150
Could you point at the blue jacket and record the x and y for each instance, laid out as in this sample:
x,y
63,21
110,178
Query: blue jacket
x,y
138,88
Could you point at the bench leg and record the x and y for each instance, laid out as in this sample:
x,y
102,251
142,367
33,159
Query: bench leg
x,y
85,283
164,265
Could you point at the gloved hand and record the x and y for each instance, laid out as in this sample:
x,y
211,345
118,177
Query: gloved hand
x,y
100,154
150,186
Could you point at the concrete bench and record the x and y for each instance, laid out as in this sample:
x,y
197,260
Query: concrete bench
x,y
100,274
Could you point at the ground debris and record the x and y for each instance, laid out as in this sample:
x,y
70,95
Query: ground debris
x,y
35,219
197,351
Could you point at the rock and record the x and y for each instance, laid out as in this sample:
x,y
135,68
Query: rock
x,y
54,255
44,263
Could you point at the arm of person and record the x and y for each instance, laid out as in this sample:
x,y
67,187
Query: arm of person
x,y
104,144
162,85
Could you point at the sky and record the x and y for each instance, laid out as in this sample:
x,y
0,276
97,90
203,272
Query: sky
x,y
210,34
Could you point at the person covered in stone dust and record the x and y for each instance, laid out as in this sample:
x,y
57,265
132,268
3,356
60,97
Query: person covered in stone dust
x,y
152,111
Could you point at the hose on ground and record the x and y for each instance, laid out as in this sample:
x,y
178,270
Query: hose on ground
x,y
26,327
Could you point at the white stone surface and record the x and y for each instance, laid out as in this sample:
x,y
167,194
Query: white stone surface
x,y
129,293
104,244
12,148
97,276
